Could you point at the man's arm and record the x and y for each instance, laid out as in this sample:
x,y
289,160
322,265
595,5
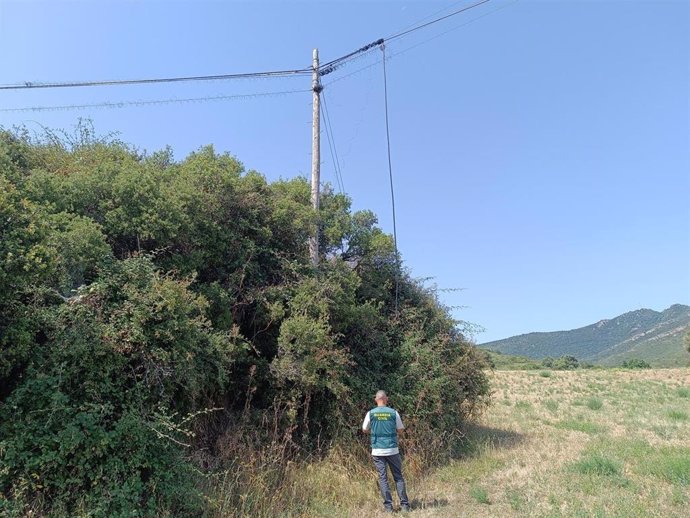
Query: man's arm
x,y
400,427
366,424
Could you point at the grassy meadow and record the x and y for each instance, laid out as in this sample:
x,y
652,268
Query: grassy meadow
x,y
587,443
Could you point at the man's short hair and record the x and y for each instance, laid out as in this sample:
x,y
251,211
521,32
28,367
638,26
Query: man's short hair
x,y
381,394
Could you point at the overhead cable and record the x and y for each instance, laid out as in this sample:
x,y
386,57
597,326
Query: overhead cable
x,y
331,144
324,69
331,66
464,24
436,20
123,104
390,176
431,15
391,55
220,77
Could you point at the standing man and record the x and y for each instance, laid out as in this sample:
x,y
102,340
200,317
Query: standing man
x,y
383,423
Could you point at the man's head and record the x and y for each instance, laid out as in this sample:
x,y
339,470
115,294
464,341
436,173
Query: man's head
x,y
381,398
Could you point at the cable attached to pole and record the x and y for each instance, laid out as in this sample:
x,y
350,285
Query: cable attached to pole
x,y
390,176
119,82
332,65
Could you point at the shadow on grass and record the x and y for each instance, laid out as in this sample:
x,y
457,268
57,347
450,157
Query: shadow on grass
x,y
477,437
428,503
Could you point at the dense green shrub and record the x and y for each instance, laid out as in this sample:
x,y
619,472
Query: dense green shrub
x,y
138,293
93,423
563,363
635,363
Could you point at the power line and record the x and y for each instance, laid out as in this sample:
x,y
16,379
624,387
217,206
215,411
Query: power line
x,y
459,26
407,49
436,20
220,77
335,167
355,72
324,69
123,104
331,66
431,15
331,145
390,176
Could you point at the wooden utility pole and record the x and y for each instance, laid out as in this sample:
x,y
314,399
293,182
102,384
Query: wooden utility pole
x,y
315,154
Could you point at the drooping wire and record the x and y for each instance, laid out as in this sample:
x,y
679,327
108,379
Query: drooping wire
x,y
220,77
351,57
324,69
124,104
330,148
390,176
331,145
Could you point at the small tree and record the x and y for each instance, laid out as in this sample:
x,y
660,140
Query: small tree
x,y
635,363
566,363
548,362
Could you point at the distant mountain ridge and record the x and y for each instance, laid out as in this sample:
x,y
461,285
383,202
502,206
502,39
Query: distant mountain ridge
x,y
654,336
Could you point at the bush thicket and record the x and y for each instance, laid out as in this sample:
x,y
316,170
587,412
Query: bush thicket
x,y
636,363
160,318
564,363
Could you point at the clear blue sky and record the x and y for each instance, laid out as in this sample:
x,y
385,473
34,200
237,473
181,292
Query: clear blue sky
x,y
541,149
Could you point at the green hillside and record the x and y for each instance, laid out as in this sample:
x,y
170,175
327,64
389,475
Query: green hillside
x,y
655,336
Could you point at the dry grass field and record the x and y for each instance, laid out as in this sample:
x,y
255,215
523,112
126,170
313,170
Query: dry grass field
x,y
590,443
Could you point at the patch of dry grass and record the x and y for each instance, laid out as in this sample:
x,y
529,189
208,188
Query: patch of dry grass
x,y
623,456
609,443
629,460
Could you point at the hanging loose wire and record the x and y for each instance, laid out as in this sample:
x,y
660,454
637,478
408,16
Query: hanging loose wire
x,y
331,145
150,102
390,176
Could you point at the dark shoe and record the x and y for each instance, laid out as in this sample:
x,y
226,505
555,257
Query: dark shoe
x,y
387,509
405,509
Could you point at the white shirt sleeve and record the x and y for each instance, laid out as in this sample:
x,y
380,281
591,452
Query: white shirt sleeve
x,y
365,424
398,422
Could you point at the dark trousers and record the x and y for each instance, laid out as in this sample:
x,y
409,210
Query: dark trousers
x,y
395,463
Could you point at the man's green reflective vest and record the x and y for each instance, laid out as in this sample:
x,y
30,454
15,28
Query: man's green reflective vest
x,y
384,433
